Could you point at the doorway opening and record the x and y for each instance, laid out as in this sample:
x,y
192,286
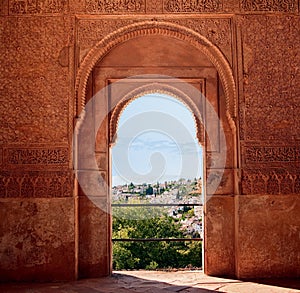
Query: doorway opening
x,y
134,51
157,188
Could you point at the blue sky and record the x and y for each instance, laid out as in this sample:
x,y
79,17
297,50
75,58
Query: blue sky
x,y
156,141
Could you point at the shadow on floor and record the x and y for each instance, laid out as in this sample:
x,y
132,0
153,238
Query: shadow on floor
x,y
283,283
154,282
118,283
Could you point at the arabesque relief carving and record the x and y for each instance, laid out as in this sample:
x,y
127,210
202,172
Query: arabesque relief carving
x,y
268,154
278,181
38,87
25,156
36,184
115,6
192,6
269,110
109,7
37,6
216,30
270,5
154,6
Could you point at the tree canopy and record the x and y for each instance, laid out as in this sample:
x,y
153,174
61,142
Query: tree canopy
x,y
149,222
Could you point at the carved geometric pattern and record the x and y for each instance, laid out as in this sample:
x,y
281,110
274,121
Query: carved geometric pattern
x,y
3,8
154,6
91,31
278,181
231,6
216,30
36,184
49,156
34,86
192,6
115,6
271,88
268,154
37,6
270,5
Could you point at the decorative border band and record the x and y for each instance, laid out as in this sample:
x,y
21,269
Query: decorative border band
x,y
191,6
36,184
269,154
20,7
37,156
269,5
276,181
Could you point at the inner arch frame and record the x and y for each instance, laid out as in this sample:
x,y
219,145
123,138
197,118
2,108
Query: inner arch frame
x,y
154,88
163,28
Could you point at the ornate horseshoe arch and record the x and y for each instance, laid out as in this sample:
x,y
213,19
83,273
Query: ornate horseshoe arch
x,y
218,60
164,29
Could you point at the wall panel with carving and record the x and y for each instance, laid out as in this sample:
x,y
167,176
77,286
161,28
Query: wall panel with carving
x,y
35,80
191,6
117,7
36,158
4,7
36,104
269,5
270,110
271,181
271,155
35,184
154,6
147,6
37,7
98,7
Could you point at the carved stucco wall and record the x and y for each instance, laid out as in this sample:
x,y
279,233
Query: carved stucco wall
x,y
270,138
39,7
42,45
36,105
36,180
269,108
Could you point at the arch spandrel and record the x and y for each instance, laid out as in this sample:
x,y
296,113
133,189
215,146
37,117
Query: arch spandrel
x,y
164,29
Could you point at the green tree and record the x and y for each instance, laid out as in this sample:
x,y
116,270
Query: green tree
x,y
150,222
149,190
131,186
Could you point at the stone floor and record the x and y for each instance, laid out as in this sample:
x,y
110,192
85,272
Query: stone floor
x,y
156,282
